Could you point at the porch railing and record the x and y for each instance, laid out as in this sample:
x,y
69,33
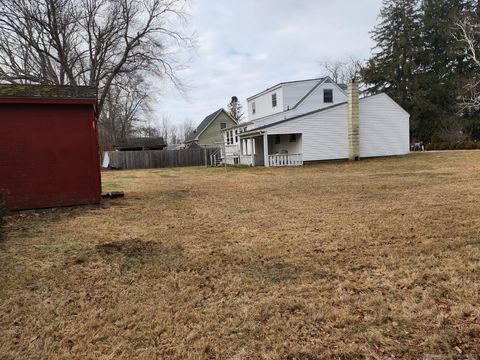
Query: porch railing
x,y
246,160
232,150
285,160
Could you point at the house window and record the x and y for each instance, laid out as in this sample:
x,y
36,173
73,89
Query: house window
x,y
328,96
293,138
274,100
254,109
223,125
277,139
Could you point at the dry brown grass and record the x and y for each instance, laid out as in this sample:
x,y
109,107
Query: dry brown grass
x,y
374,259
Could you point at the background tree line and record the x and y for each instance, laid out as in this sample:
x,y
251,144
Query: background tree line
x,y
426,58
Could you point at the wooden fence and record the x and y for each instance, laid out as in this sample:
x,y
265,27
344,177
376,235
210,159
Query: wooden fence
x,y
149,159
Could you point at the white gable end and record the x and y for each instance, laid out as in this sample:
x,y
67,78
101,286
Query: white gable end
x,y
384,127
315,99
294,92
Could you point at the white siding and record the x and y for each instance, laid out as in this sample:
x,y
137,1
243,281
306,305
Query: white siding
x,y
315,100
324,135
263,104
384,130
384,127
294,92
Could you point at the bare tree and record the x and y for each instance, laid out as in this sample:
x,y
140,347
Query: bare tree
x,y
342,70
185,129
469,38
126,108
89,42
147,129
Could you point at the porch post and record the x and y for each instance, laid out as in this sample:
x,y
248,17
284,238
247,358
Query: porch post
x,y
252,148
265,150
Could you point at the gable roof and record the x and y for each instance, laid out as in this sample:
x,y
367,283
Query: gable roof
x,y
205,123
319,111
285,83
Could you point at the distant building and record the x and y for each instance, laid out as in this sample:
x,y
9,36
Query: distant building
x,y
139,144
175,147
210,131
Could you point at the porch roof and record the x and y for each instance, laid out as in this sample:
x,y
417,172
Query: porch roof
x,y
250,134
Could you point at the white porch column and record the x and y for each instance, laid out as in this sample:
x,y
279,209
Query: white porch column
x,y
265,150
252,147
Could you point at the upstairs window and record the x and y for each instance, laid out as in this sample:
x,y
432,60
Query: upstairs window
x,y
254,109
278,140
223,125
274,100
328,96
293,138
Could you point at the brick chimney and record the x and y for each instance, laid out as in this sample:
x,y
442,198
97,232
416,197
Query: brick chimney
x,y
353,121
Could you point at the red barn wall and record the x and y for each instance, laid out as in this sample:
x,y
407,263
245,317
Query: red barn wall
x,y
48,155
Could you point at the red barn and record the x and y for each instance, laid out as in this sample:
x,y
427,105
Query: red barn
x,y
48,146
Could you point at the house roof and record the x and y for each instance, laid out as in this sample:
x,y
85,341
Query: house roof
x,y
47,91
204,124
311,113
141,143
321,79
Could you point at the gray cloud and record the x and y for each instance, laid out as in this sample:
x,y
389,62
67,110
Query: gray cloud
x,y
246,46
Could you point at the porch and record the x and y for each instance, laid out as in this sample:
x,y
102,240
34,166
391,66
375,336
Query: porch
x,y
262,149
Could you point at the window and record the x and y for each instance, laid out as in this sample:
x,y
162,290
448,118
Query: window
x,y
254,110
277,139
223,125
274,100
328,96
293,138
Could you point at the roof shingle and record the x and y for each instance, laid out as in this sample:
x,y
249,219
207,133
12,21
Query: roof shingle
x,y
47,91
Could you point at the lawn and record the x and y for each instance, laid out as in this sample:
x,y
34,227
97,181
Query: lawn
x,y
375,259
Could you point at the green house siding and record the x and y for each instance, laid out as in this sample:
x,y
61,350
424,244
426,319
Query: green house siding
x,y
213,134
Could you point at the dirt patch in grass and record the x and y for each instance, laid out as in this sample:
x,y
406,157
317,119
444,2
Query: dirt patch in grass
x,y
130,248
375,259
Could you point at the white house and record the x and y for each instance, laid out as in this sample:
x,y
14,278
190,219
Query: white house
x,y
313,120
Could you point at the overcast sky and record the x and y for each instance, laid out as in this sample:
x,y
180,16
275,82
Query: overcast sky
x,y
246,46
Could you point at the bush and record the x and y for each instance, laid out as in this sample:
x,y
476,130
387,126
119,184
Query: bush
x,y
458,145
